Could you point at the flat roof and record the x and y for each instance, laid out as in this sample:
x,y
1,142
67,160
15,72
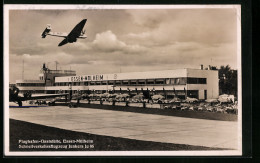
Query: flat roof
x,y
135,75
29,81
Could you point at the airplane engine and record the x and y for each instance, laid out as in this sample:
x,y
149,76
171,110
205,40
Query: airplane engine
x,y
46,31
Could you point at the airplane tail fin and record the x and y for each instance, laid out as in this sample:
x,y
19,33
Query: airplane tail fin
x,y
46,31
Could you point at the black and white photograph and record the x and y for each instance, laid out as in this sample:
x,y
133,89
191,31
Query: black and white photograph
x,y
125,80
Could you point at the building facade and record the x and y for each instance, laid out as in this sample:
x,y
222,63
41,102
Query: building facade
x,y
181,83
46,79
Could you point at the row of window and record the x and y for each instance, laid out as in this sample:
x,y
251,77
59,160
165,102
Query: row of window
x,y
30,84
32,91
171,81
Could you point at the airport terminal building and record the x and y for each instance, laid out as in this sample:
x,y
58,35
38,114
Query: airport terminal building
x,y
181,83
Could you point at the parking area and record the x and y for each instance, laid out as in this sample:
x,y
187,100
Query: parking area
x,y
157,128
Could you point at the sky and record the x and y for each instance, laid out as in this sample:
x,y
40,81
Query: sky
x,y
122,40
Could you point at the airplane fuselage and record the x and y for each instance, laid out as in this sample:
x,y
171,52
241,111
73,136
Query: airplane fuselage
x,y
76,33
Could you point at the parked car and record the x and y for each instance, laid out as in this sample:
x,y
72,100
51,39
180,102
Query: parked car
x,y
191,100
174,107
226,98
200,108
185,106
219,110
166,101
157,101
210,108
231,110
191,108
175,100
166,107
195,108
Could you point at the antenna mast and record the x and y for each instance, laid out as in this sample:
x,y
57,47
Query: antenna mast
x,y
56,64
23,70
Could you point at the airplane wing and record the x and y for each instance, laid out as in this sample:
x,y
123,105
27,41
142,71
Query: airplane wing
x,y
42,96
76,31
63,42
57,34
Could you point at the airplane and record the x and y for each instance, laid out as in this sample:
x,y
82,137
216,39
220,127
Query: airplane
x,y
14,97
77,32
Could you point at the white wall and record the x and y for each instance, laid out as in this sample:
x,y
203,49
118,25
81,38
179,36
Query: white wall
x,y
29,81
30,88
130,75
212,86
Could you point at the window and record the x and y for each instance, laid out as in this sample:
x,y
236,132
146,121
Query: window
x,y
159,81
202,81
192,80
196,80
125,82
183,80
193,93
133,82
177,81
110,82
141,82
118,82
98,83
150,82
167,81
103,83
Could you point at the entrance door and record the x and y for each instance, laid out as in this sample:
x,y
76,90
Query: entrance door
x,y
205,94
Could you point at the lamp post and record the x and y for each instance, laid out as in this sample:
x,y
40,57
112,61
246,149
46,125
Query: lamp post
x,y
78,98
128,91
174,93
165,93
113,88
185,91
150,94
70,91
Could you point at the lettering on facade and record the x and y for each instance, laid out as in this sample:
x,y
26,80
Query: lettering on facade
x,y
87,78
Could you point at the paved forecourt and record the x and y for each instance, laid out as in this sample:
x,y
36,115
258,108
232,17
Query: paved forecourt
x,y
149,127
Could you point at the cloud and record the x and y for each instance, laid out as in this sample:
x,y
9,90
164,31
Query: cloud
x,y
142,35
146,19
134,40
108,42
184,25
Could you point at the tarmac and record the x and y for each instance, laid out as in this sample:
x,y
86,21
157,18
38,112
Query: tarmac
x,y
148,127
